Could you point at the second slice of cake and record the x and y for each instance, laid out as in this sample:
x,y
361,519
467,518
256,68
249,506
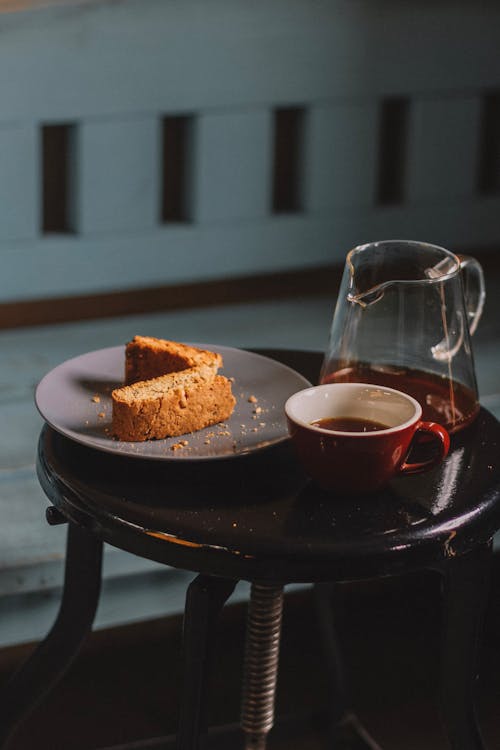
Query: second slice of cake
x,y
147,357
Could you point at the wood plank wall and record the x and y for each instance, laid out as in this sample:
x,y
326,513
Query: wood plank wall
x,y
116,106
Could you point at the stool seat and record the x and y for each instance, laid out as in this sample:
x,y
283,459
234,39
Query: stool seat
x,y
258,517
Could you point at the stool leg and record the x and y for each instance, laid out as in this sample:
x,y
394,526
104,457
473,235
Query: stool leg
x,y
466,583
51,659
261,663
205,598
323,594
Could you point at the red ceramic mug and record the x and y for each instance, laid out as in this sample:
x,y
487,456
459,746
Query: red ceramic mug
x,y
378,427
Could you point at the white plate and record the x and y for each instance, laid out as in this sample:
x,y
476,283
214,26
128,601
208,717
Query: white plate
x,y
75,399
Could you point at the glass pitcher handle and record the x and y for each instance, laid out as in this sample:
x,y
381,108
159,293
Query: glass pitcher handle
x,y
474,289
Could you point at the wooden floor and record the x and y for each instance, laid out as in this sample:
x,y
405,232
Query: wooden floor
x,y
124,685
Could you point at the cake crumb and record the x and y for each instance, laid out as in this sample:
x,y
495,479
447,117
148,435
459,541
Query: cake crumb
x,y
101,414
255,429
207,441
96,399
262,424
252,399
257,410
178,446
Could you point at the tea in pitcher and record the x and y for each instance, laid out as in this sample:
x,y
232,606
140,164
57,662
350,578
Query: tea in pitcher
x,y
449,403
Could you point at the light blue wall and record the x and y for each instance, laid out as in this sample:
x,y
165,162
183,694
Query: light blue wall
x,y
114,69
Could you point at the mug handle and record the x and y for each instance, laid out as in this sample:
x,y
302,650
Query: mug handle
x,y
474,289
437,433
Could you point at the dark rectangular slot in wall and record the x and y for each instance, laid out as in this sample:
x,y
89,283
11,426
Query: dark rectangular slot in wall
x,y
288,159
392,154
489,145
176,141
58,178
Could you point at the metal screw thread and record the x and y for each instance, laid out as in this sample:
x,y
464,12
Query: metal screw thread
x,y
261,662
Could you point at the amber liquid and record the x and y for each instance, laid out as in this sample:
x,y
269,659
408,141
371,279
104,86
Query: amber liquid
x,y
452,405
349,424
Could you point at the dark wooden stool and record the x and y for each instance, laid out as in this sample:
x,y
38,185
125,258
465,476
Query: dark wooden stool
x,y
258,518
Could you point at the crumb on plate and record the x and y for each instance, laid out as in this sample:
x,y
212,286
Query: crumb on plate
x,y
179,445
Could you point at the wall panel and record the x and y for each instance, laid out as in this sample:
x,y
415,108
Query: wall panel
x,y
118,175
232,165
19,181
444,147
341,155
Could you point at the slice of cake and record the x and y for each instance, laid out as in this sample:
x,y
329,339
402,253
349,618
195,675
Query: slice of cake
x,y
147,357
171,405
170,389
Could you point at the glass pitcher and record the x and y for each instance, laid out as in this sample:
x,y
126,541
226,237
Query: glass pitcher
x,y
404,316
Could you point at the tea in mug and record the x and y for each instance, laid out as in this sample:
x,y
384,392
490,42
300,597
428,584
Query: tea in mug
x,y
349,424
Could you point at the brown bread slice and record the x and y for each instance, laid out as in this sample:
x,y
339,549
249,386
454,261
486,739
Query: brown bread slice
x,y
147,357
171,405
